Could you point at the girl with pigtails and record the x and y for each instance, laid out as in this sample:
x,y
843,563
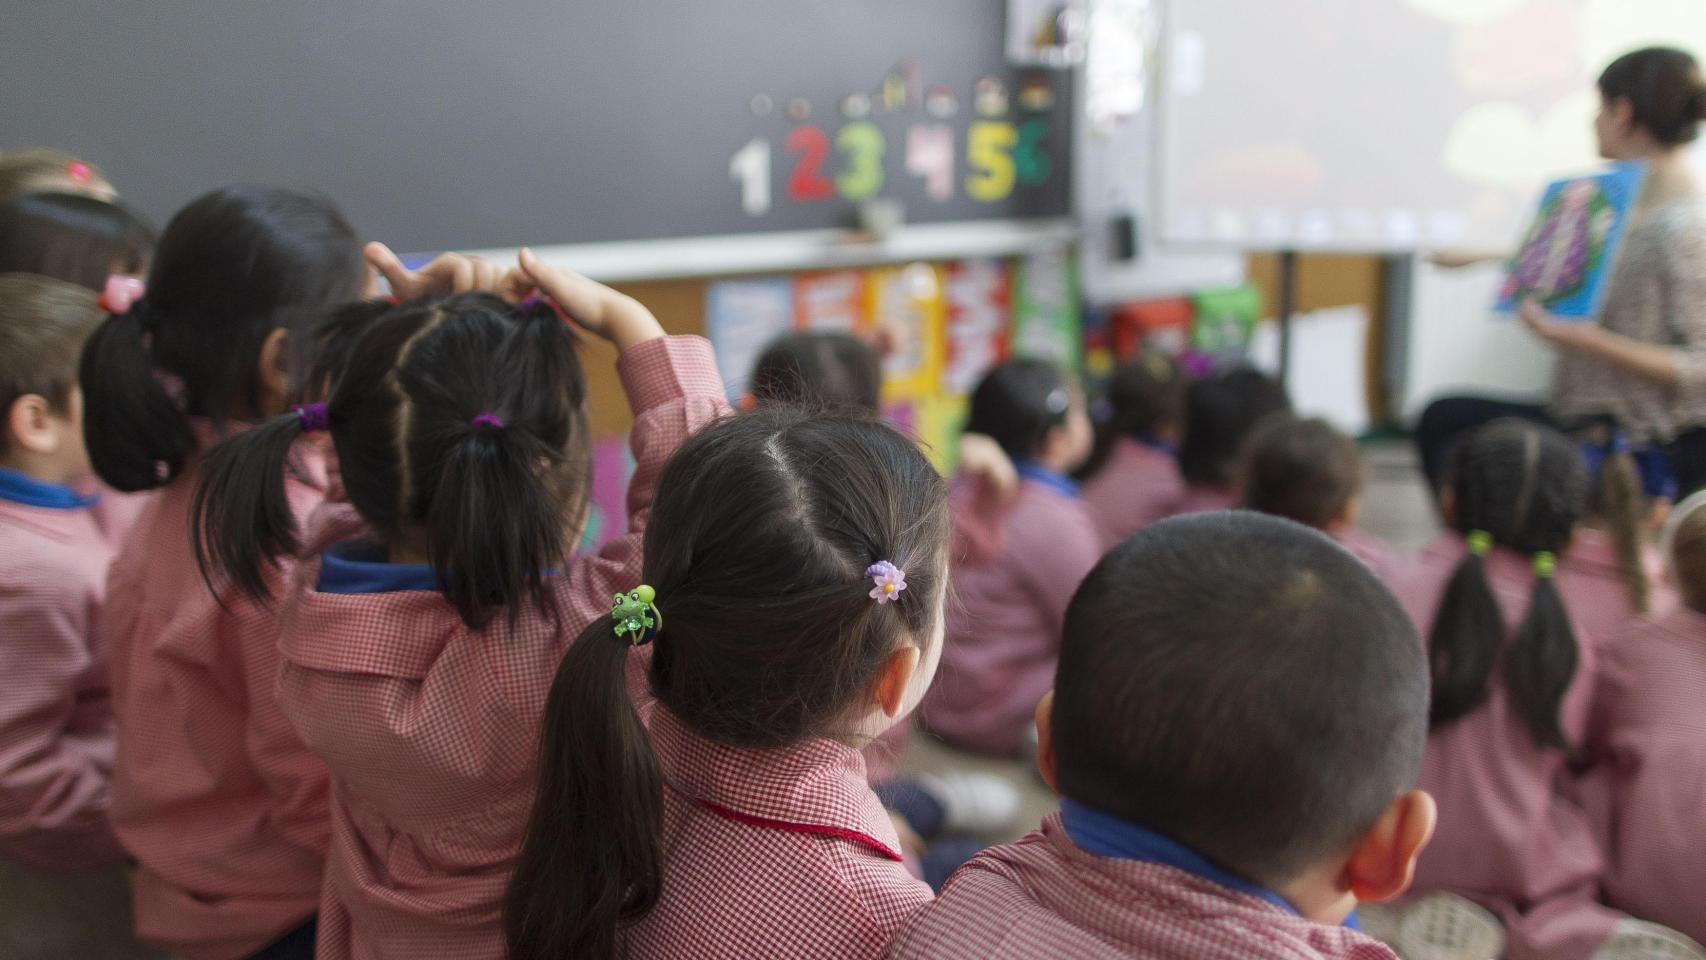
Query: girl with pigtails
x,y
418,642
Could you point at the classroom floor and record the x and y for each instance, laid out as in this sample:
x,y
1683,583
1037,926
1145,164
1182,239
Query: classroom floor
x,y
1396,507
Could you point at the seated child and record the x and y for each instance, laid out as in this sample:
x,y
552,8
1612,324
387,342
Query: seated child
x,y
72,237
1220,412
829,370
1132,477
1003,638
796,571
45,170
1307,471
1223,795
1648,731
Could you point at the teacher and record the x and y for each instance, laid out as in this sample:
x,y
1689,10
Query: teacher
x,y
1643,366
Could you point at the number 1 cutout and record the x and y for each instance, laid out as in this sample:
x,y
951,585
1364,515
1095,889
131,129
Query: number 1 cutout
x,y
750,167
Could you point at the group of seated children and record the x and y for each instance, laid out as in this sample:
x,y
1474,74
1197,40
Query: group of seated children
x,y
304,656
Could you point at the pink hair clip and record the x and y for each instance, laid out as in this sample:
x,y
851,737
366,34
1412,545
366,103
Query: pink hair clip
x,y
889,580
79,172
120,294
489,420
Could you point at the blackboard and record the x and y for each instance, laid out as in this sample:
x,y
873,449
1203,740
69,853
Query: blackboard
x,y
440,124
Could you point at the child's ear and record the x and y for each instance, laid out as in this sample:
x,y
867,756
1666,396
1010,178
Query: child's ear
x,y
1448,505
747,403
1347,517
272,373
29,424
1045,741
893,678
1384,861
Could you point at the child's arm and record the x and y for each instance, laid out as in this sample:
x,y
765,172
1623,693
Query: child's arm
x,y
54,786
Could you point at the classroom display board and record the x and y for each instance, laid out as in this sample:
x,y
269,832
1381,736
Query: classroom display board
x,y
1385,125
442,126
940,326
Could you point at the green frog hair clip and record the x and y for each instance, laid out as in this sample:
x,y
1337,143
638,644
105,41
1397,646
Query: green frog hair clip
x,y
637,617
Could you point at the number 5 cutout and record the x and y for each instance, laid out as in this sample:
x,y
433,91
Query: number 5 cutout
x,y
989,150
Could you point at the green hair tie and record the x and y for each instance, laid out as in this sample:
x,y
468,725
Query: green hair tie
x,y
637,617
1480,542
1545,564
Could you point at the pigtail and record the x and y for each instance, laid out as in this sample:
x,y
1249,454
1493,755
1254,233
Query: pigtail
x,y
1464,644
240,517
499,521
592,858
1541,661
138,438
1622,503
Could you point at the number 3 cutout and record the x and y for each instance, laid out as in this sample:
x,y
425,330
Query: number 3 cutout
x,y
807,183
863,145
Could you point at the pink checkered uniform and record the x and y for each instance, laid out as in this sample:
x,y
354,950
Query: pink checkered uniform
x,y
1138,485
430,728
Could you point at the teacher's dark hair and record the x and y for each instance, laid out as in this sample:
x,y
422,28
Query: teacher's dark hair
x,y
1663,86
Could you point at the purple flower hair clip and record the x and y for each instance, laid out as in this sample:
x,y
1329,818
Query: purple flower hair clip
x,y
889,580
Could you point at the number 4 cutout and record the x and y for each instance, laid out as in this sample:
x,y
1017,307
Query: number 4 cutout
x,y
930,154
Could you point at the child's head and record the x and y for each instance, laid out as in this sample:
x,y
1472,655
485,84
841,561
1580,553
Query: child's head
x,y
43,324
1685,532
1650,98
760,548
1303,470
1034,412
460,431
239,279
1146,399
1241,685
45,170
1520,486
72,237
831,371
1220,412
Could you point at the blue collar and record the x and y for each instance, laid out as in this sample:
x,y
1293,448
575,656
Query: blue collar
x,y
1108,836
1156,443
30,492
362,567
1058,482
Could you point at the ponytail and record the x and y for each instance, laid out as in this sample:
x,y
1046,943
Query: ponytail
x,y
1621,503
1464,644
240,517
137,437
592,860
1542,659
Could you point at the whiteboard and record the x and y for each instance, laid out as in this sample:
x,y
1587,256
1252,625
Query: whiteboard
x,y
1384,125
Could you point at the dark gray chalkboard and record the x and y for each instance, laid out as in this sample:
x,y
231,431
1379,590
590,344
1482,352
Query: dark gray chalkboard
x,y
440,124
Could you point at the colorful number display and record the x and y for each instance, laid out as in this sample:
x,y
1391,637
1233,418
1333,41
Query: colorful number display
x,y
999,157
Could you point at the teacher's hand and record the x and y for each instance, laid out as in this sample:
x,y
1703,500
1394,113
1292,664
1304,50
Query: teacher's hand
x,y
1558,333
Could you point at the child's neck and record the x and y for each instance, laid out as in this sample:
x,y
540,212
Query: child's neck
x,y
39,468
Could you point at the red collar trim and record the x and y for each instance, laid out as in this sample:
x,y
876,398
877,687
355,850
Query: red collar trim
x,y
811,829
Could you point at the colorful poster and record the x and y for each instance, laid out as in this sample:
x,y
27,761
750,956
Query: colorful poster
x,y
742,317
978,300
1568,253
831,301
607,510
1045,308
1226,320
906,311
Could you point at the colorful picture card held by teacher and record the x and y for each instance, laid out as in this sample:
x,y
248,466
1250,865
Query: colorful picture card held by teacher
x,y
1567,256
742,317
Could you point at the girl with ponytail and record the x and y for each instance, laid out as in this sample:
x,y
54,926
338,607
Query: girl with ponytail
x,y
220,804
1514,636
792,598
420,633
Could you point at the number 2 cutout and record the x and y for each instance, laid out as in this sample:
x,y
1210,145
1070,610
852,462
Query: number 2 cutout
x,y
807,183
863,145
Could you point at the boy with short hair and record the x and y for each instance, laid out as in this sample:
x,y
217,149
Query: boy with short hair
x,y
1236,731
1310,472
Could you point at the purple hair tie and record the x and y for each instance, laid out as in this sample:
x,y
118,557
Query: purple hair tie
x,y
313,416
888,581
490,420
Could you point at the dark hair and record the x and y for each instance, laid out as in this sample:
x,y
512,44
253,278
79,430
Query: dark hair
x,y
31,169
334,339
1017,404
823,370
1145,396
1688,559
72,237
231,268
1524,485
489,504
43,324
1220,412
1303,470
1664,90
1619,499
757,547
1242,685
